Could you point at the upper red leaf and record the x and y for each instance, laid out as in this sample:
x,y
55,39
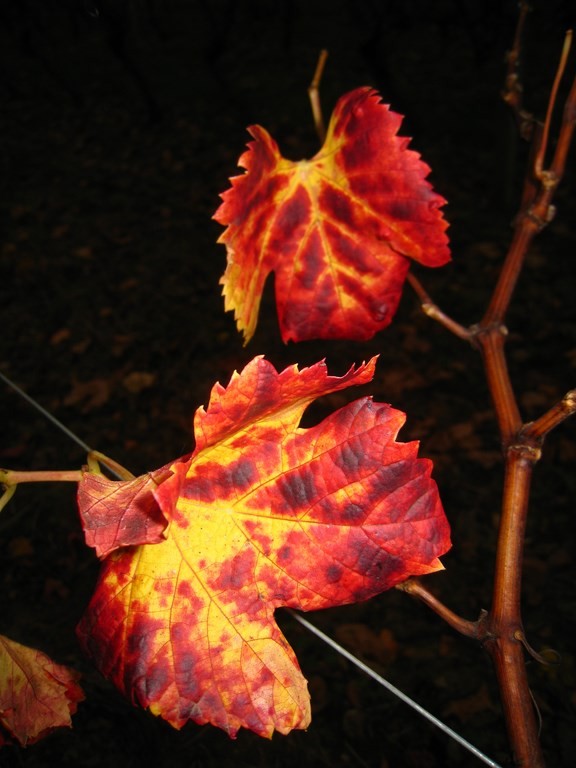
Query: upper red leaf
x,y
36,694
263,514
338,231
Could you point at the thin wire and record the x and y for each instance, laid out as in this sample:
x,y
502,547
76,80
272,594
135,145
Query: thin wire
x,y
46,413
402,696
310,627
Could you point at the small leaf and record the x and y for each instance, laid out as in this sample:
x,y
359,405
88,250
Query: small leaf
x,y
263,514
338,230
36,694
117,514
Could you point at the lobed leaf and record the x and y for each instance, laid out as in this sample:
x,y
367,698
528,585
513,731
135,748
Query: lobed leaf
x,y
263,514
338,230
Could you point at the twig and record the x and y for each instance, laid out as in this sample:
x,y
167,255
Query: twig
x,y
314,96
565,134
541,153
540,211
468,628
537,430
433,311
513,91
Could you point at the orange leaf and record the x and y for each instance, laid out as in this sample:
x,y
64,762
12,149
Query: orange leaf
x,y
263,514
36,694
338,230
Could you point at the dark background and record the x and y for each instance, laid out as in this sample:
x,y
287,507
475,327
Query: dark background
x,y
121,124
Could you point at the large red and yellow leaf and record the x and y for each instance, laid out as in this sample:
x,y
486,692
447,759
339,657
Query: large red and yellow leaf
x,y
338,230
36,694
263,514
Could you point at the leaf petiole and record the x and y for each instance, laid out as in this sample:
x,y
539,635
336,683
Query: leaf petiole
x,y
95,459
11,478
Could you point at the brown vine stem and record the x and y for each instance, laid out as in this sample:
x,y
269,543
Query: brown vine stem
x,y
503,628
491,340
500,629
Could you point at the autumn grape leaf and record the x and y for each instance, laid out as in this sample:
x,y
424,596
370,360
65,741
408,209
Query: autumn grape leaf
x,y
36,694
262,514
338,230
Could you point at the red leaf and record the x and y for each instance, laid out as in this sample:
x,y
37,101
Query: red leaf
x,y
36,694
263,514
338,231
141,520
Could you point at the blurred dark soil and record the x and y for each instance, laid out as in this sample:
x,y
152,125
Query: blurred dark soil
x,y
121,123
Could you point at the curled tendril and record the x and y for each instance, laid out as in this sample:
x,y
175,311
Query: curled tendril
x,y
555,657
